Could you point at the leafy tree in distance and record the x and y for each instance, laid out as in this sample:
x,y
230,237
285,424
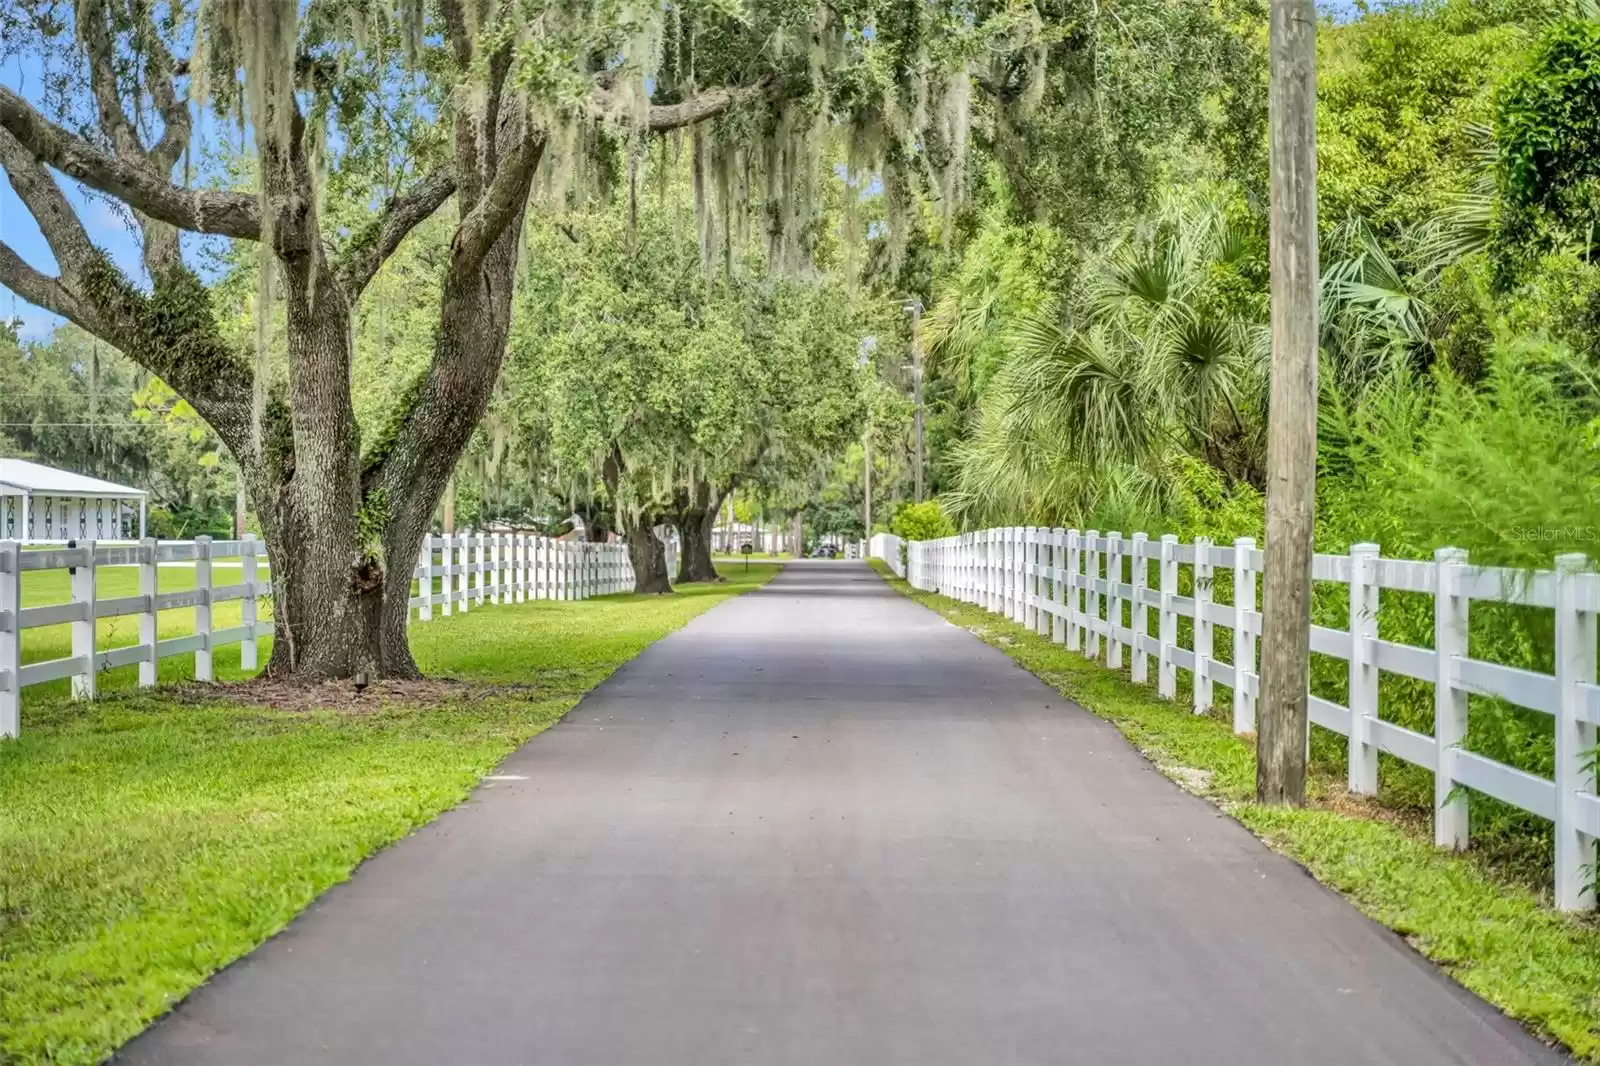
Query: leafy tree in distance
x,y
651,391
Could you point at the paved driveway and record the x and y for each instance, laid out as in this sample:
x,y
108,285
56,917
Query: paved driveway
x,y
821,827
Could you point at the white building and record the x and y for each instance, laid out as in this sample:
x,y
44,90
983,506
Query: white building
x,y
43,505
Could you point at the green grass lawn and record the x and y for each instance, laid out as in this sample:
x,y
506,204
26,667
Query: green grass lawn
x,y
144,844
1490,933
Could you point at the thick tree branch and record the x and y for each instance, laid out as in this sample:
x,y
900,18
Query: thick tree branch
x,y
502,201
376,242
63,230
175,119
662,117
96,37
97,31
225,213
41,290
458,31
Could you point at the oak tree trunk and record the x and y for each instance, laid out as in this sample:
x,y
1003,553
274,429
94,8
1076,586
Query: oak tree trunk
x,y
648,553
696,520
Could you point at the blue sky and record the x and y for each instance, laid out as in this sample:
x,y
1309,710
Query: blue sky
x,y
105,222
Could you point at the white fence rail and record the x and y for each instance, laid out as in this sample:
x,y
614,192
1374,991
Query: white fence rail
x,y
1096,593
453,574
476,569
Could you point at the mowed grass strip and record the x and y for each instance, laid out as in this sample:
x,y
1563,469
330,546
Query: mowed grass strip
x,y
1490,933
144,844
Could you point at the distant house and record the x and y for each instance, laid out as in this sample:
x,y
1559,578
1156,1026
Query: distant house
x,y
42,505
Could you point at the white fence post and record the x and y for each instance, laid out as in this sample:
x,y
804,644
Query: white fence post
x,y
1037,620
536,567
1019,575
1139,671
484,567
1244,639
519,567
1074,617
1058,588
1025,535
496,570
1041,580
997,566
1113,599
10,639
1008,571
1575,738
988,601
203,667
425,579
1450,822
447,580
1363,684
83,628
1167,670
1091,595
1201,688
997,586
249,655
149,618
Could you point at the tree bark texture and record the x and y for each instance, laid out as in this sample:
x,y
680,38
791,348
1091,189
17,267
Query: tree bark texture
x,y
1292,420
696,519
648,553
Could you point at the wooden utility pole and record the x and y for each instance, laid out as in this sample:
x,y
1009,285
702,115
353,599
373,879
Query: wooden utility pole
x,y
914,309
1292,422
866,478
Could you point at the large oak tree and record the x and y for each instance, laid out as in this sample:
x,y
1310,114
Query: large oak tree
x,y
364,118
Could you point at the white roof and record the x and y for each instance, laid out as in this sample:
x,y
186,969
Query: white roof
x,y
18,476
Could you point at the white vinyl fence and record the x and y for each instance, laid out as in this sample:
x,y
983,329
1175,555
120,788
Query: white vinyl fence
x,y
1074,586
453,574
482,568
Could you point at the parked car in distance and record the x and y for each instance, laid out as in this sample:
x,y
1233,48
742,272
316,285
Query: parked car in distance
x,y
825,551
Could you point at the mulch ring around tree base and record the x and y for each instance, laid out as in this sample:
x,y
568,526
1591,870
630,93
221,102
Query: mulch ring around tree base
x,y
343,696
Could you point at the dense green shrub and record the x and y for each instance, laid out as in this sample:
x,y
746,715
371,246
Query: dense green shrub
x,y
1549,139
921,521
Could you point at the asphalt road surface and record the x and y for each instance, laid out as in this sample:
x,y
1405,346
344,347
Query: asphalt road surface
x,y
821,827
